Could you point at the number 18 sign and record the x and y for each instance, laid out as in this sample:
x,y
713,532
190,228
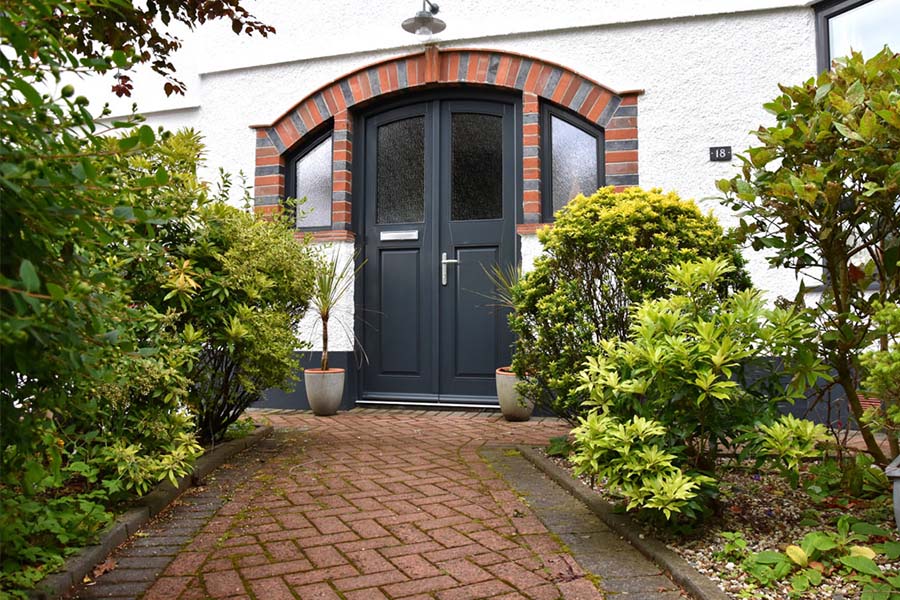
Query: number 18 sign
x,y
720,153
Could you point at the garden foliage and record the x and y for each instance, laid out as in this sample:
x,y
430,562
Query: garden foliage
x,y
604,254
93,382
702,370
826,551
882,369
703,367
236,288
634,459
821,194
788,441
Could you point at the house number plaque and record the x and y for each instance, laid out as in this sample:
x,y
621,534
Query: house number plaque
x,y
720,153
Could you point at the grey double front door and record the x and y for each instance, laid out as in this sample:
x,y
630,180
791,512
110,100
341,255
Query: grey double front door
x,y
440,180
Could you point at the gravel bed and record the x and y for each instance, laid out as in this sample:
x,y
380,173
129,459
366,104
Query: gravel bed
x,y
770,515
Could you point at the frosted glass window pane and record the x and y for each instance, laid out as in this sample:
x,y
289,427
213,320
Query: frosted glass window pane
x,y
574,159
476,167
400,172
313,173
866,28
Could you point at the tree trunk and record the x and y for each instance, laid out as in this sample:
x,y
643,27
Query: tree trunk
x,y
845,378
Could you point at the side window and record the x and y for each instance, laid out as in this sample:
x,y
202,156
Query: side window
x,y
571,158
861,25
310,177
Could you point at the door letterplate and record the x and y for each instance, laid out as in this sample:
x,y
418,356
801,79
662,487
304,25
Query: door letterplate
x,y
444,262
393,236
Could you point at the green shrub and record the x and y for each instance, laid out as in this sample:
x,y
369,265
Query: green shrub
x,y
91,382
605,253
704,368
634,459
788,441
820,193
829,552
238,287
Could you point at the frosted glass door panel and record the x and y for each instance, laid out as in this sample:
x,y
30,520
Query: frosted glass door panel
x,y
476,168
400,172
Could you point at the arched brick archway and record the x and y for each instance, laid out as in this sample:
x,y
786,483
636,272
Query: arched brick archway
x,y
614,111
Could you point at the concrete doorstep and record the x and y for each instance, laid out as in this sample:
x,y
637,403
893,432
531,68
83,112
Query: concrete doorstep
x,y
692,581
145,508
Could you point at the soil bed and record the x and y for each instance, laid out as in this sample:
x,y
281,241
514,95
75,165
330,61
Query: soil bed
x,y
770,514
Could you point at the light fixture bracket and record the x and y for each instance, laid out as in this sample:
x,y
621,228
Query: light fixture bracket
x,y
425,23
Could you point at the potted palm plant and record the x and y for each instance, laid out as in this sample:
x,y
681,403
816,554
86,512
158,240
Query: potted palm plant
x,y
513,405
325,385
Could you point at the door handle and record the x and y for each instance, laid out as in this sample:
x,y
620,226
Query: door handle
x,y
444,262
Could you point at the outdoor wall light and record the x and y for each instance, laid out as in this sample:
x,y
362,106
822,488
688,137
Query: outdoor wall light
x,y
425,23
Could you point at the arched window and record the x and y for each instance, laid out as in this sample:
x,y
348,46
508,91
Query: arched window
x,y
572,160
309,175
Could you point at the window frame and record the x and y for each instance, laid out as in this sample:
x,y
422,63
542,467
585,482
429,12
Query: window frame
x,y
825,11
309,142
546,151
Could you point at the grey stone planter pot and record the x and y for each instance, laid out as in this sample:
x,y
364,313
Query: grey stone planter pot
x,y
324,390
512,405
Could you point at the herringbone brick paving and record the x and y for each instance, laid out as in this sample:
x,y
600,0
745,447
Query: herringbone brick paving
x,y
375,504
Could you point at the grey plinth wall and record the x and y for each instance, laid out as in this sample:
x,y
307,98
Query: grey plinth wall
x,y
296,398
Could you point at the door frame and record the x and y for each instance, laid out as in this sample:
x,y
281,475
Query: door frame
x,y
474,93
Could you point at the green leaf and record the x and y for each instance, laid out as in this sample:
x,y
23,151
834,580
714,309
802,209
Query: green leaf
x,y
29,276
868,125
56,292
822,92
856,93
127,143
848,133
146,135
162,176
890,549
120,58
800,582
767,557
31,94
864,528
861,564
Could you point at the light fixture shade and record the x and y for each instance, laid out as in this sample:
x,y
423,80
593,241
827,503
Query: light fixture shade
x,y
424,23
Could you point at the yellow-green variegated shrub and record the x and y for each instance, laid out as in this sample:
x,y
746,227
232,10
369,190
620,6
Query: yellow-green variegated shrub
x,y
631,456
605,253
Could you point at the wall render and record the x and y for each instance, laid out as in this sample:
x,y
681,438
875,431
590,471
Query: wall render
x,y
705,80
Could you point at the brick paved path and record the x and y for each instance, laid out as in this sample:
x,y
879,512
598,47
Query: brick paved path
x,y
374,504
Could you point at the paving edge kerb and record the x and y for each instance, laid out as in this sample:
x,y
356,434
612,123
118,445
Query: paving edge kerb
x,y
127,524
695,583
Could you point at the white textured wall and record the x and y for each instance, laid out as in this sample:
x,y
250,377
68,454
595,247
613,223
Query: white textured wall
x,y
706,69
529,249
312,30
340,322
705,80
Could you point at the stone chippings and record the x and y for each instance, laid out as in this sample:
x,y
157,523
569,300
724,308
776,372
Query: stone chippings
x,y
367,505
